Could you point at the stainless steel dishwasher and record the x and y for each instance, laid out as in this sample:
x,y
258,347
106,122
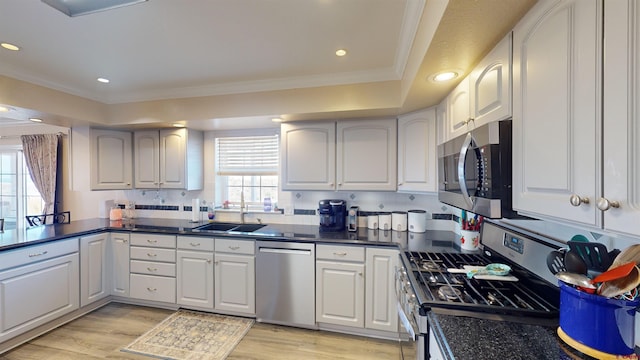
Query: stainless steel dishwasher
x,y
286,283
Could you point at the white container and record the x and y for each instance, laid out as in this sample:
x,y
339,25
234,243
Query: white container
x,y
417,220
195,210
372,221
469,240
384,221
399,221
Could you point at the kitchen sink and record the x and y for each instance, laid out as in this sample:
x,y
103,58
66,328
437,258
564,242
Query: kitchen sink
x,y
229,227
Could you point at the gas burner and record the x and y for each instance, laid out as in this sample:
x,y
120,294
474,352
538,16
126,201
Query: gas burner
x,y
430,265
448,293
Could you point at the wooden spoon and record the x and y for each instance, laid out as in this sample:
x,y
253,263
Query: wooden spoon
x,y
632,253
615,273
620,286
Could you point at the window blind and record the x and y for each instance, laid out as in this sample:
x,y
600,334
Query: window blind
x,y
248,155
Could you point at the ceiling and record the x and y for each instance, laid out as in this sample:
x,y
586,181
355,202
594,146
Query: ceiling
x,y
207,63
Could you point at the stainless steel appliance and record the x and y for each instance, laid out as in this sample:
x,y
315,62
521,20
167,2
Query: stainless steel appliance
x,y
285,274
333,214
474,171
437,282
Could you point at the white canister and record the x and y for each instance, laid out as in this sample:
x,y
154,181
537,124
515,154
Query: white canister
x,y
417,220
384,221
372,221
399,220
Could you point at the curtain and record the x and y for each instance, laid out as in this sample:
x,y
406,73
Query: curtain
x,y
41,157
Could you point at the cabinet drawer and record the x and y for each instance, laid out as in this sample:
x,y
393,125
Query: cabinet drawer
x,y
236,246
153,268
154,240
153,254
195,243
31,254
156,288
344,253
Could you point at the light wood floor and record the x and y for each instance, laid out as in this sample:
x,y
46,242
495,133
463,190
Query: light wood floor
x,y
102,333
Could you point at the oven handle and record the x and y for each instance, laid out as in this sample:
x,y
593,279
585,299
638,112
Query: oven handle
x,y
468,142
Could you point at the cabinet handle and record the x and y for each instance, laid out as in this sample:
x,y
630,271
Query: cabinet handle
x,y
38,254
152,255
576,200
360,273
152,241
152,289
400,184
216,263
209,261
234,247
604,204
340,253
195,244
152,269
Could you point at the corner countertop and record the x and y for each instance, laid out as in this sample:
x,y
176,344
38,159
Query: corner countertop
x,y
429,241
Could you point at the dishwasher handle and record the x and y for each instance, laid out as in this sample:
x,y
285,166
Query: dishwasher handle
x,y
270,250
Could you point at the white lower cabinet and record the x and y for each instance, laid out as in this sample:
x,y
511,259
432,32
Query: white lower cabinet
x,y
235,276
152,267
381,312
195,278
94,269
119,264
40,284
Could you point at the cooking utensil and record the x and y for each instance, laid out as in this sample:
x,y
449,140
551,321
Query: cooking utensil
x,y
595,255
620,286
574,263
555,261
632,253
491,269
575,279
615,273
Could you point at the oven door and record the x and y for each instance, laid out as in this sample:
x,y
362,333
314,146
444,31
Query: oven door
x,y
413,344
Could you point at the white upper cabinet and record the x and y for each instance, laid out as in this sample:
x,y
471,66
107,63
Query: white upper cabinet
x,y
169,159
110,160
490,85
621,135
417,158
308,153
366,154
458,119
556,117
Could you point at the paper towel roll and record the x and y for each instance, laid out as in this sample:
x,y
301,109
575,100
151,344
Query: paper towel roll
x,y
195,210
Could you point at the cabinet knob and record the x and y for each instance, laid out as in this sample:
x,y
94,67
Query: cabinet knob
x,y
209,261
194,244
576,200
151,255
151,241
152,289
604,204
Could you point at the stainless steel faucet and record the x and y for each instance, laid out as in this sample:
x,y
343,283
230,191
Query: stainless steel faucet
x,y
242,207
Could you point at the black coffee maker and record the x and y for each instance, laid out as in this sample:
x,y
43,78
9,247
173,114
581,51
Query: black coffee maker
x,y
333,214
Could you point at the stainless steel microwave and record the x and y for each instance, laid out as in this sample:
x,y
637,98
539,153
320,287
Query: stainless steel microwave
x,y
474,171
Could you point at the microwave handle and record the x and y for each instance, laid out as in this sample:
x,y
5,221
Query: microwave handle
x,y
468,141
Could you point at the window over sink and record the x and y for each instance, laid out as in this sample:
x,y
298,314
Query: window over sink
x,y
18,194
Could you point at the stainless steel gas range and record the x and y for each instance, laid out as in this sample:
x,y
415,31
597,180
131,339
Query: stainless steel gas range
x,y
437,282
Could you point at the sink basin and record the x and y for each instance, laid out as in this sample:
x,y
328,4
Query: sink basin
x,y
229,227
247,227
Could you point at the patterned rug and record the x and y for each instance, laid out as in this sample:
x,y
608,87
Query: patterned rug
x,y
192,335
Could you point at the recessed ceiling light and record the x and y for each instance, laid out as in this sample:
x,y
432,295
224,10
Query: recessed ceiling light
x,y
445,76
341,52
276,120
9,46
35,120
4,108
178,125
103,80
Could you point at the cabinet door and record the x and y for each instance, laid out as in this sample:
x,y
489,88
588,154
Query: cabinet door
x,y
367,155
110,160
556,117
381,312
173,158
235,283
93,268
340,293
146,159
490,85
622,116
195,278
119,264
417,160
308,156
35,294
441,122
458,111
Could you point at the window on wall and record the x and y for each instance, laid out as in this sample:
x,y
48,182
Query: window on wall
x,y
247,167
18,195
